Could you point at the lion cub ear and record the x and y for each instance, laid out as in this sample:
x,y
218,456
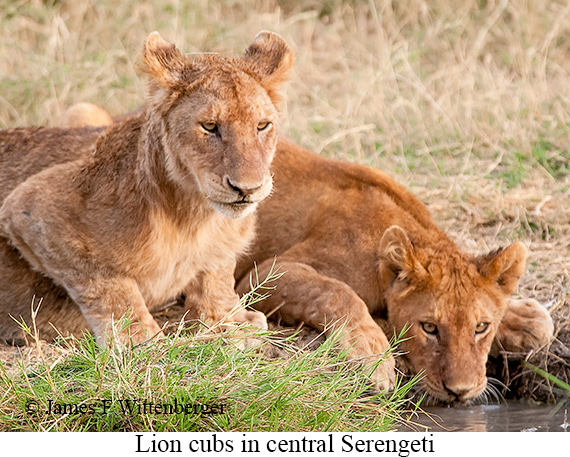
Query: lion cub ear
x,y
504,266
398,258
163,61
270,58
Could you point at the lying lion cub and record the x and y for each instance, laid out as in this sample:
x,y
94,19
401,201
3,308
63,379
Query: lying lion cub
x,y
163,204
355,244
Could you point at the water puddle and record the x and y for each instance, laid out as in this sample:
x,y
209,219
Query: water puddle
x,y
507,417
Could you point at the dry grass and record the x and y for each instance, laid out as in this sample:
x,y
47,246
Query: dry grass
x,y
466,102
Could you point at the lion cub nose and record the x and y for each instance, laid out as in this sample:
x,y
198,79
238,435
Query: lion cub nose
x,y
460,391
243,189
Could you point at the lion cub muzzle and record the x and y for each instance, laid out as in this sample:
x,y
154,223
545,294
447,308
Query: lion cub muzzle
x,y
244,190
240,197
463,392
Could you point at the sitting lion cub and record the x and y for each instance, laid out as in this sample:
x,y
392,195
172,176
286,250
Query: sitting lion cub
x,y
162,205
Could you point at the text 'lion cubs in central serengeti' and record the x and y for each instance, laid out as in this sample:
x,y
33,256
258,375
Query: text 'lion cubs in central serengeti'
x,y
161,206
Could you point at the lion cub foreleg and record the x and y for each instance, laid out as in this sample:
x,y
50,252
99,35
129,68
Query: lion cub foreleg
x,y
211,300
105,301
303,295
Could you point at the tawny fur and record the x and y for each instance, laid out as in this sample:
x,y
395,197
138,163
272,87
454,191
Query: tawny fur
x,y
157,205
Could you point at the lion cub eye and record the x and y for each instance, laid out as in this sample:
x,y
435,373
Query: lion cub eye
x,y
481,327
429,327
263,126
210,127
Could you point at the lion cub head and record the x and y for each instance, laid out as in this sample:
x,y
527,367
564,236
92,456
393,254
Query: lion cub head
x,y
216,118
453,304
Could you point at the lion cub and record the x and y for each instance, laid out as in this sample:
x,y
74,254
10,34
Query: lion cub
x,y
162,205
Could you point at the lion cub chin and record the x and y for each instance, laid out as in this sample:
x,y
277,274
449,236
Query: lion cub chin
x,y
162,206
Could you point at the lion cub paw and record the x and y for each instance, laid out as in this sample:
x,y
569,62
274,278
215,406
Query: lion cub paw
x,y
526,326
246,335
131,335
384,376
368,348
254,318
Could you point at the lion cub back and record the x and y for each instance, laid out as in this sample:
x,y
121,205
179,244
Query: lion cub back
x,y
27,151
